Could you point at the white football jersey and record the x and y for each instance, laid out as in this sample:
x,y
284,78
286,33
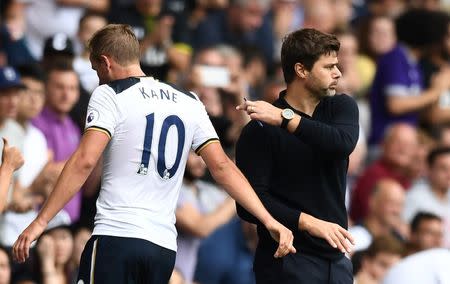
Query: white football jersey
x,y
152,127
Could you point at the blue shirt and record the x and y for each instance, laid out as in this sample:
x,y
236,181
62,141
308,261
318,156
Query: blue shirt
x,y
397,75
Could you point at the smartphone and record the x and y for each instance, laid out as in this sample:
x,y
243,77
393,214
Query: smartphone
x,y
214,76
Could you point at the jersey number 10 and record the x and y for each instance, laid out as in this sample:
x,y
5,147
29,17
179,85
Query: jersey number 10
x,y
161,167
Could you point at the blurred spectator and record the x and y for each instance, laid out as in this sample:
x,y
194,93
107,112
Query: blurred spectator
x,y
272,89
233,94
63,136
376,35
319,15
381,255
343,11
89,24
429,266
435,60
350,83
46,18
193,222
355,79
11,161
391,8
384,218
419,169
398,150
433,194
153,28
5,266
397,93
11,87
255,68
12,31
427,231
36,171
232,261
209,91
432,5
442,135
80,238
244,22
286,16
57,48
54,249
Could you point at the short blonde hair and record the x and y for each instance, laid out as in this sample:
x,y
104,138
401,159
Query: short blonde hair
x,y
117,41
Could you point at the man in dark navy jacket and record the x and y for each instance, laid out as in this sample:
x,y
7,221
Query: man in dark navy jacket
x,y
295,154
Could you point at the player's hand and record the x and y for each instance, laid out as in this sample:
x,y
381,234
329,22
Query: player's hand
x,y
334,234
262,111
283,236
21,248
11,157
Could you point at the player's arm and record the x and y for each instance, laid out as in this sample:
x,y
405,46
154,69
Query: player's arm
x,y
74,174
337,138
233,181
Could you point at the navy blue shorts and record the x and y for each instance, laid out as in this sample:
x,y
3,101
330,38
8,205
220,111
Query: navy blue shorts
x,y
108,260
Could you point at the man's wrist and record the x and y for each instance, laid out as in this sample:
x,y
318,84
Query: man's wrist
x,y
304,221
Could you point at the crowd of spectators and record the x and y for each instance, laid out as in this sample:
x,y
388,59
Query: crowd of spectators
x,y
394,59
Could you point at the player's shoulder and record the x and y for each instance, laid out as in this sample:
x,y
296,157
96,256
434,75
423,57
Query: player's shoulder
x,y
189,96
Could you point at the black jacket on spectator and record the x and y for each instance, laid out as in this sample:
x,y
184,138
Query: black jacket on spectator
x,y
301,172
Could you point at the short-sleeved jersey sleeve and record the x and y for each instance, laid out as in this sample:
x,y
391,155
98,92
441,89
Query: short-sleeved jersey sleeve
x,y
204,133
102,112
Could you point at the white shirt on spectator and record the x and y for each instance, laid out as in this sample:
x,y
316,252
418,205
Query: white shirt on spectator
x,y
426,267
421,198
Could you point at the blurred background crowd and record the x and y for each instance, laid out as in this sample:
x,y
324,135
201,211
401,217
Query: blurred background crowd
x,y
394,57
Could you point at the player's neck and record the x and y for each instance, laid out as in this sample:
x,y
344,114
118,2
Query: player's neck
x,y
300,98
124,72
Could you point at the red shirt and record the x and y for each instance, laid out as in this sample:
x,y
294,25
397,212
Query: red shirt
x,y
359,206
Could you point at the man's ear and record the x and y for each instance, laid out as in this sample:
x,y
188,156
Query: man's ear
x,y
300,70
105,59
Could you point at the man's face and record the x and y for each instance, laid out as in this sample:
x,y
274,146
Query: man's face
x,y
440,172
32,99
380,264
429,234
9,101
89,27
322,80
251,17
62,91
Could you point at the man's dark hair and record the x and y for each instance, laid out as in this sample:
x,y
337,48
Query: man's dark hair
x,y
32,70
421,28
422,217
305,46
59,65
435,153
